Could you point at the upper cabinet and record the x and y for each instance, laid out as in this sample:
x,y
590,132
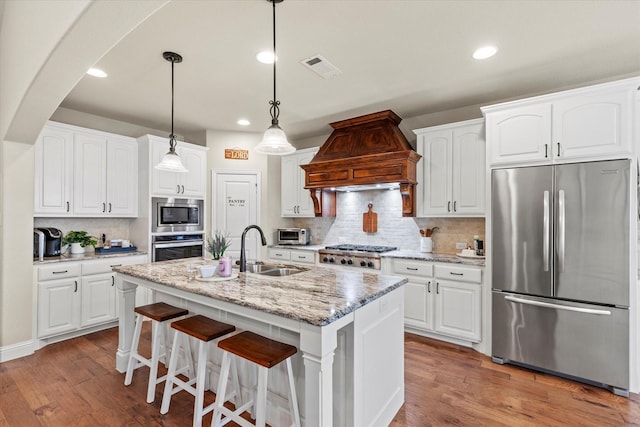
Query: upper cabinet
x,y
295,200
583,124
105,175
191,184
82,172
54,171
451,175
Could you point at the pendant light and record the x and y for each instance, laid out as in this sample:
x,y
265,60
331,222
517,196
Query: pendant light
x,y
171,161
274,140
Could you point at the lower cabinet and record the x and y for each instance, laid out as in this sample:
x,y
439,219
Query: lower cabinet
x,y
77,295
58,299
442,299
293,255
98,299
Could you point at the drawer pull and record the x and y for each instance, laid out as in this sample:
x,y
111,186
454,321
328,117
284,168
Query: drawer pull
x,y
412,268
115,265
437,287
113,280
456,274
429,286
302,257
60,272
75,289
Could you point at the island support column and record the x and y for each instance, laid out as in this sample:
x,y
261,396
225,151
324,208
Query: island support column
x,y
126,321
318,345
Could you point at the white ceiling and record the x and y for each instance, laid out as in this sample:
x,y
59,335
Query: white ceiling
x,y
412,56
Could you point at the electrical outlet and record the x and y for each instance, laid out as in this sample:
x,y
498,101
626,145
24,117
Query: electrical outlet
x,y
461,245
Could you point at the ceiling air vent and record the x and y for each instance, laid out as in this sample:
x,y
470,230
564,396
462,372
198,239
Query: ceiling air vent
x,y
321,66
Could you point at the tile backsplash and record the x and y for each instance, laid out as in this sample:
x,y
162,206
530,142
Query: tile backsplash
x,y
393,228
113,228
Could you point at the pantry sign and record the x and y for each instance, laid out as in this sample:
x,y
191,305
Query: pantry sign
x,y
236,154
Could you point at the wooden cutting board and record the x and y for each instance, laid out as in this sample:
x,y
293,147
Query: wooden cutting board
x,y
370,221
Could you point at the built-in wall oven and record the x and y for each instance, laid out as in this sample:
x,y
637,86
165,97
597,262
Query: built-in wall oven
x,y
177,228
175,246
172,215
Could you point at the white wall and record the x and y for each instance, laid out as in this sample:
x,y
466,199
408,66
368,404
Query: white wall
x,y
218,141
45,49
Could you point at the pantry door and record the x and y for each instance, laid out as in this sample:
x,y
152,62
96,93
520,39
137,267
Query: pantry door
x,y
234,205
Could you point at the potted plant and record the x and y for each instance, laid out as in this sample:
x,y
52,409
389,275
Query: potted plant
x,y
218,243
78,240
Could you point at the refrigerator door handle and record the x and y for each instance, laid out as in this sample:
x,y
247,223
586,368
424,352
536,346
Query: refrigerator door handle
x,y
561,230
558,306
545,232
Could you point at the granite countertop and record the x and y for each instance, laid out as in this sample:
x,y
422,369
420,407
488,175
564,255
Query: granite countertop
x,y
84,257
434,257
318,296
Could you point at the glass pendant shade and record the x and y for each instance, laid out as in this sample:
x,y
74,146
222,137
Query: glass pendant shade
x,y
171,163
275,142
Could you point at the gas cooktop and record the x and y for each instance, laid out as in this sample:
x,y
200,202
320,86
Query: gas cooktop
x,y
361,248
350,255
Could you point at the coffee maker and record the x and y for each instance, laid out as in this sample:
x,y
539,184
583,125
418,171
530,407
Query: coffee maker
x,y
47,242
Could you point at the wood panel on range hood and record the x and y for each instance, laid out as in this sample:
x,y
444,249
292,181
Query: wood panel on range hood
x,y
363,151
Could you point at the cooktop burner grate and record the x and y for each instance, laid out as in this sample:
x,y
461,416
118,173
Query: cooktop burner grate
x,y
361,248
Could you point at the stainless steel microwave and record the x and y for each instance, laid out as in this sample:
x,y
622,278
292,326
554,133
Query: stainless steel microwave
x,y
294,236
177,215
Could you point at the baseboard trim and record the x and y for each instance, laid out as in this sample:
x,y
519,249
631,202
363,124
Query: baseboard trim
x,y
16,351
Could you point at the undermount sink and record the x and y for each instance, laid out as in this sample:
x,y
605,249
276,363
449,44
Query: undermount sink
x,y
273,270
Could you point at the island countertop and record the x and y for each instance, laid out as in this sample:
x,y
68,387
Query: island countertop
x,y
318,296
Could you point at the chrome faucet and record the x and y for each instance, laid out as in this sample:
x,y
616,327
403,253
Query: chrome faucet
x,y
243,256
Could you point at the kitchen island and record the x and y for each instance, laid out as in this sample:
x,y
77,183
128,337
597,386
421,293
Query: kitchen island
x,y
348,326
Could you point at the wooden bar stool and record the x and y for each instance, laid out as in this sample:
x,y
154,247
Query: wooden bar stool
x,y
264,353
204,330
160,314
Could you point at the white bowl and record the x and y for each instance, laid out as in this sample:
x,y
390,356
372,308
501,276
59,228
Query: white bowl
x,y
208,270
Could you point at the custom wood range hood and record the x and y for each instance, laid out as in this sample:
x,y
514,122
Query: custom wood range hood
x,y
363,152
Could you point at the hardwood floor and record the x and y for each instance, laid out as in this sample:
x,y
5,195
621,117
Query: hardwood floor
x,y
74,383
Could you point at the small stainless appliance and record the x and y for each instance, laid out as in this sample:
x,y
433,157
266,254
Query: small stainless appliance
x,y
177,246
177,215
350,255
294,236
560,275
47,242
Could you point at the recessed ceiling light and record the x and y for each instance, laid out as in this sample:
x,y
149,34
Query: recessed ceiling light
x,y
265,57
244,122
96,72
485,52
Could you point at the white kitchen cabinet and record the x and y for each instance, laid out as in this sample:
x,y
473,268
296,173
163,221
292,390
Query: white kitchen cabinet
x,y
73,296
458,303
54,171
85,173
293,255
58,299
191,184
442,300
418,295
590,123
452,172
105,175
295,200
98,299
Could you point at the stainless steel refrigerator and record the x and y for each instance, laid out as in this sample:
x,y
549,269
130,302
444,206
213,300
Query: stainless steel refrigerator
x,y
560,269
